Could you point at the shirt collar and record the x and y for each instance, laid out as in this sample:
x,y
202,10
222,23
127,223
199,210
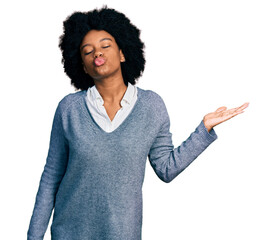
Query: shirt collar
x,y
94,95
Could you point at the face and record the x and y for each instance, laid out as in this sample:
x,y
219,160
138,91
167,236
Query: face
x,y
101,55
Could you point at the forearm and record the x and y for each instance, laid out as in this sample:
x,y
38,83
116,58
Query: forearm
x,y
51,177
173,161
44,205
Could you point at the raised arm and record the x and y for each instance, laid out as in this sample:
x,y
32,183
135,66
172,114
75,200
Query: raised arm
x,y
168,161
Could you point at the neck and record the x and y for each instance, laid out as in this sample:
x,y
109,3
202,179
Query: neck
x,y
112,91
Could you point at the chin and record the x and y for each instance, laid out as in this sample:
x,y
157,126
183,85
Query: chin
x,y
103,72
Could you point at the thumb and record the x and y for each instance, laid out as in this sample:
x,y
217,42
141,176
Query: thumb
x,y
221,109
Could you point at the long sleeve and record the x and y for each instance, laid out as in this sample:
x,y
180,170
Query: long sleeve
x,y
168,161
51,177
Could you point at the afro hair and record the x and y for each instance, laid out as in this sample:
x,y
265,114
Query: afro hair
x,y
127,36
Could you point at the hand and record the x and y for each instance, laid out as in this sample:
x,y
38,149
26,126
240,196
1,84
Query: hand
x,y
221,115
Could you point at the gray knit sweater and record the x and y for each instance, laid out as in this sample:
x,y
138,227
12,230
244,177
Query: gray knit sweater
x,y
93,179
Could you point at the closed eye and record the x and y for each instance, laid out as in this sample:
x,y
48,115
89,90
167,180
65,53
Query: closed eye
x,y
88,52
106,46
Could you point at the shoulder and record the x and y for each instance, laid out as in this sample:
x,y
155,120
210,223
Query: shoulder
x,y
153,101
70,100
151,96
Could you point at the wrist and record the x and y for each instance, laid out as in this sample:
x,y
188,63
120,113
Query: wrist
x,y
207,125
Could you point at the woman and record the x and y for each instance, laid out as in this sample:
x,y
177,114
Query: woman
x,y
102,135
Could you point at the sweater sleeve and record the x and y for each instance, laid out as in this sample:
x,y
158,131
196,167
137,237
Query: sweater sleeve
x,y
168,161
51,177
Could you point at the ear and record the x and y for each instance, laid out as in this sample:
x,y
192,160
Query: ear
x,y
122,56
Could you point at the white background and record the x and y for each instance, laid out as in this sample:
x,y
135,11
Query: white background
x,y
200,55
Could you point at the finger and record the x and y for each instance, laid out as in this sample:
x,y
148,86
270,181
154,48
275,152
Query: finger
x,y
238,109
221,109
237,113
244,106
231,111
229,116
233,114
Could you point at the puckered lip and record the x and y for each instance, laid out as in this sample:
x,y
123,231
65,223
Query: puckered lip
x,y
99,61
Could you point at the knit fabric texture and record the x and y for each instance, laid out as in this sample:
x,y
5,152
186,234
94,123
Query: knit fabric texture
x,y
93,179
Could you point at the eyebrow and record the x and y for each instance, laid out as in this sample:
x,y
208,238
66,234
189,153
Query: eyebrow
x,y
103,39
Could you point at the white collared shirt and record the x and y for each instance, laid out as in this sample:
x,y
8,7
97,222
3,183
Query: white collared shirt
x,y
95,104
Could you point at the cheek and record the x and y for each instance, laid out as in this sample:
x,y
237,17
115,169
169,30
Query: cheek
x,y
84,68
114,54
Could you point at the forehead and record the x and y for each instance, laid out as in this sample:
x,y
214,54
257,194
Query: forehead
x,y
96,36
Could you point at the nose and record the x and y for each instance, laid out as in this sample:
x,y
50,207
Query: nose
x,y
98,54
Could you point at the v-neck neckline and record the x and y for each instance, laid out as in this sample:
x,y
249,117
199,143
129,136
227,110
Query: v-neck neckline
x,y
92,120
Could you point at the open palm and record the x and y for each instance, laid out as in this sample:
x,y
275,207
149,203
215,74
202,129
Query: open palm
x,y
221,115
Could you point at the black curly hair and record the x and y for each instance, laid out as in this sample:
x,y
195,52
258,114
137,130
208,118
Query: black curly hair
x,y
127,36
